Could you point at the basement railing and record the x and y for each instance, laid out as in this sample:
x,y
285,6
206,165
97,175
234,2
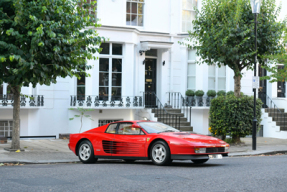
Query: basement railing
x,y
153,102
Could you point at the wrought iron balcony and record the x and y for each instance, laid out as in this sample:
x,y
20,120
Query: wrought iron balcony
x,y
25,100
96,101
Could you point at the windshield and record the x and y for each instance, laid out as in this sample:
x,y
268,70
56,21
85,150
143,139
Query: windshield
x,y
156,127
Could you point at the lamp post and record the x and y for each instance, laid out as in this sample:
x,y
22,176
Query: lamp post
x,y
255,5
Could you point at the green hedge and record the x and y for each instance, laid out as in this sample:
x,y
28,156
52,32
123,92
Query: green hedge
x,y
221,93
230,93
233,116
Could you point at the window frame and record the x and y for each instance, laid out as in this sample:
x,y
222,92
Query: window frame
x,y
137,14
10,127
191,61
110,121
115,128
110,57
81,97
216,78
189,10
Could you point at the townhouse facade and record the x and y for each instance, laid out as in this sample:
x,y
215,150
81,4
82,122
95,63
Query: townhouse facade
x,y
142,73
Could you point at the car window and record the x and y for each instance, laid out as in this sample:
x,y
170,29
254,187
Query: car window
x,y
156,127
112,128
127,129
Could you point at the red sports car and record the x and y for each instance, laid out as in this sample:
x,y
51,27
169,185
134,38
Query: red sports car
x,y
143,140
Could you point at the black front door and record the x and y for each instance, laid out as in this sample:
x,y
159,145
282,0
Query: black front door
x,y
262,86
281,86
150,83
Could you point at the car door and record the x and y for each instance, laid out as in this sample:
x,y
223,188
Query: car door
x,y
129,141
104,146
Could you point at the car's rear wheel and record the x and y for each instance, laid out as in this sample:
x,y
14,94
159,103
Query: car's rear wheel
x,y
86,152
199,161
160,153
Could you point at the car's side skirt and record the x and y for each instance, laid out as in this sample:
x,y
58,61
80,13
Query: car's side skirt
x,y
121,157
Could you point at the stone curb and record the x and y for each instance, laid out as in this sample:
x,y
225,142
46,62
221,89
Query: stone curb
x,y
40,162
255,153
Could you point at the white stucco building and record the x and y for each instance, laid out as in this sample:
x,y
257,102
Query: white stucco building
x,y
142,55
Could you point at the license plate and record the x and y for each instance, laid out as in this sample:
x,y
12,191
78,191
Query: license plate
x,y
217,156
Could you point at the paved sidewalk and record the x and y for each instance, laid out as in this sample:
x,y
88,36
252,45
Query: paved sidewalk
x,y
57,151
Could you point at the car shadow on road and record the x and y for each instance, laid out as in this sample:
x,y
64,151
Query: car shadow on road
x,y
173,164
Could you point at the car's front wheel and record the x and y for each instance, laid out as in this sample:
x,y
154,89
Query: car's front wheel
x,y
199,161
86,152
160,153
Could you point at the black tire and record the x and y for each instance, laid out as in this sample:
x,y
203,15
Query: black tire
x,y
160,153
199,161
129,160
86,152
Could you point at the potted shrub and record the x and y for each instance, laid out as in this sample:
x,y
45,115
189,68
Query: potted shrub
x,y
199,94
190,98
229,93
210,95
221,93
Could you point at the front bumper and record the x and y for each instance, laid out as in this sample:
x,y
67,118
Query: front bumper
x,y
195,157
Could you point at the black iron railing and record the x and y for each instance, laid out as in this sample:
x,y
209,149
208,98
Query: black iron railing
x,y
177,101
106,101
277,114
25,100
152,102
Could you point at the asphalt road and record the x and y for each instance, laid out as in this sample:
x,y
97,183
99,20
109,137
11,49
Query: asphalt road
x,y
263,173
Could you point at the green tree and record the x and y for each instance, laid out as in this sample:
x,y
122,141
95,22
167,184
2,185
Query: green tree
x,y
82,114
44,39
223,34
273,60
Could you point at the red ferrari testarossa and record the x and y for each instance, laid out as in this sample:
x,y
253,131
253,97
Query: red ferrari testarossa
x,y
145,140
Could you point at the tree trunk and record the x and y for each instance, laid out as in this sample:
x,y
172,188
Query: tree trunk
x,y
236,139
237,85
16,119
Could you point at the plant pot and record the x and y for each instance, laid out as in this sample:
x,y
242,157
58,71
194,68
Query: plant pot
x,y
3,140
190,100
208,101
199,100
